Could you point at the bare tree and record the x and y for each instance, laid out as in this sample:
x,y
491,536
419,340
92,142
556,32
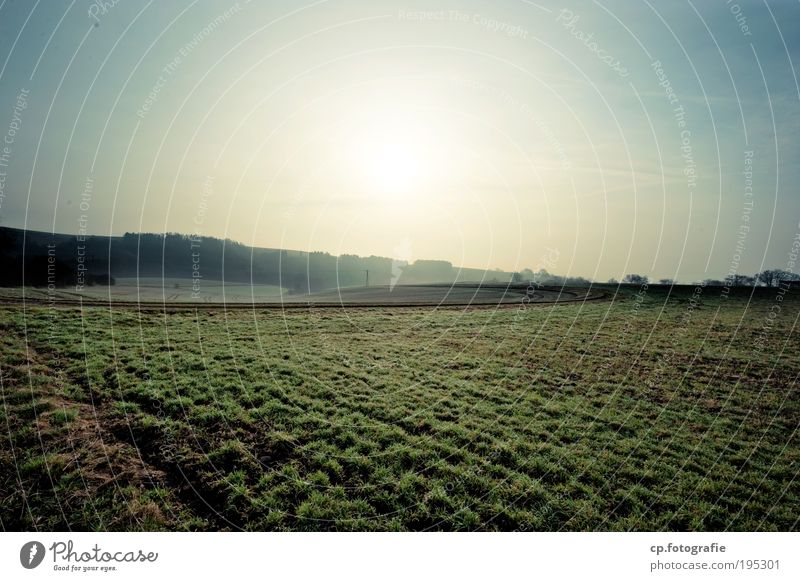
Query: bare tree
x,y
774,277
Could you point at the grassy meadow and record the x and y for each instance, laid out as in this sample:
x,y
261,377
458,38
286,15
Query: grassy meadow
x,y
645,412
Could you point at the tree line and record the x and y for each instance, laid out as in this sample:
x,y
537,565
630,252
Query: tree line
x,y
41,258
772,277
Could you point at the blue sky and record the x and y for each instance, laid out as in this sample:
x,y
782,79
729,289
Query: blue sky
x,y
485,133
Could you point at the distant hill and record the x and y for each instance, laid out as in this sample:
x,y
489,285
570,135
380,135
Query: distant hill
x,y
63,260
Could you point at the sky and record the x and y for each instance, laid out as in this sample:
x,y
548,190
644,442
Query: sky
x,y
592,139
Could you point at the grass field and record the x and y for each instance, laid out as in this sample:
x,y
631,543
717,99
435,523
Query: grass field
x,y
638,413
174,292
157,290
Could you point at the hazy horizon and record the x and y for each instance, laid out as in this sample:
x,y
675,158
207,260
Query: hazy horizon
x,y
401,266
493,136
456,266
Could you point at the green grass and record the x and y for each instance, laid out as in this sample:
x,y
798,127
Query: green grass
x,y
64,416
648,414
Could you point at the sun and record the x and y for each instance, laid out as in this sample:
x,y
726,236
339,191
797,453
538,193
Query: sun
x,y
393,167
389,155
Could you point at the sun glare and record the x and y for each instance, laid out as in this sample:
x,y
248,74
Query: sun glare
x,y
391,155
393,167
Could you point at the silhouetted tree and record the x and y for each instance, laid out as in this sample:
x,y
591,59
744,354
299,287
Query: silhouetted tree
x,y
739,280
635,279
774,277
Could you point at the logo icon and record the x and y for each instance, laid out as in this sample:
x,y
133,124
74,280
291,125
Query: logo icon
x,y
401,258
31,554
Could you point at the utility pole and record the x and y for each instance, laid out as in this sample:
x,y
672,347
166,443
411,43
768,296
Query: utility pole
x,y
367,282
